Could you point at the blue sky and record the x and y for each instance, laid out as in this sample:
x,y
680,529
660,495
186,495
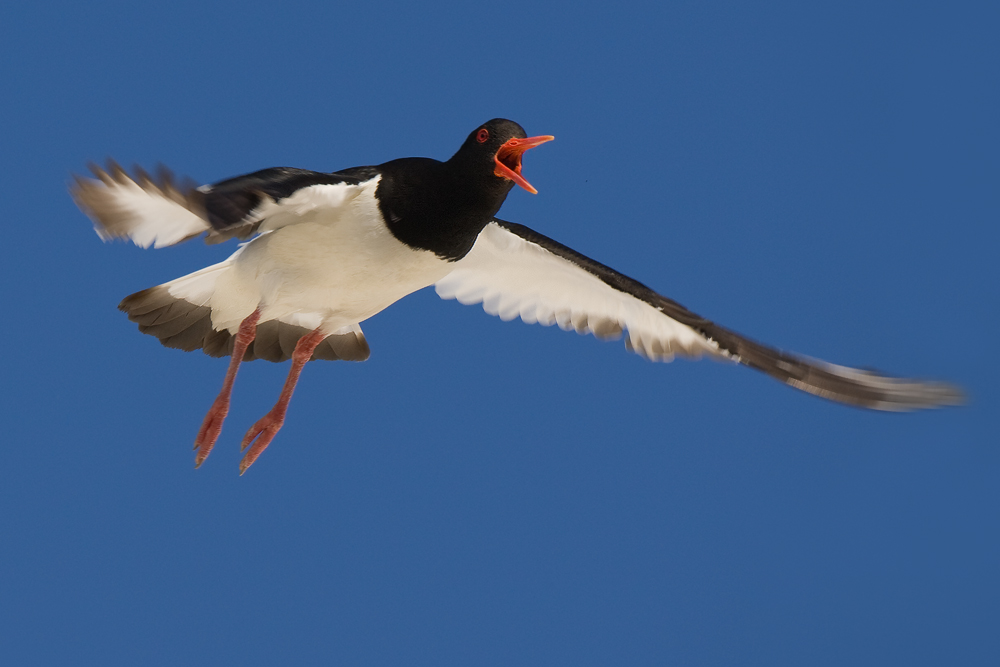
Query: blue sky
x,y
490,493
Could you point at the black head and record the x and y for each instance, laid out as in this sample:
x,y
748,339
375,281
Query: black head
x,y
492,155
443,206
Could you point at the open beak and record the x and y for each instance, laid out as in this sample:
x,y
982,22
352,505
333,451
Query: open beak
x,y
508,159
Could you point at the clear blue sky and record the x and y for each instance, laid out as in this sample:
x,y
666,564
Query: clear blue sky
x,y
490,493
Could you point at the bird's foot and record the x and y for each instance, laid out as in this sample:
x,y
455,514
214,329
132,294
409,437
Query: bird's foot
x,y
210,429
261,434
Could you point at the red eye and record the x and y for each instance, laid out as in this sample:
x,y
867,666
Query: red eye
x,y
482,135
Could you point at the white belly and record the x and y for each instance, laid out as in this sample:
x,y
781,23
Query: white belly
x,y
336,268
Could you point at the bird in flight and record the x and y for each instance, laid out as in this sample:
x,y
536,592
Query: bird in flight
x,y
326,251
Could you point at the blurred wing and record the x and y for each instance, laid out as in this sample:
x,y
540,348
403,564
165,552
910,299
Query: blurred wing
x,y
158,211
148,211
516,272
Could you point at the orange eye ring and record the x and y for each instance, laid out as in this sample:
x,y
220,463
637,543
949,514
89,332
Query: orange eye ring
x,y
482,135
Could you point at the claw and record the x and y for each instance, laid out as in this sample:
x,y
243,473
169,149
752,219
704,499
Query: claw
x,y
260,435
210,430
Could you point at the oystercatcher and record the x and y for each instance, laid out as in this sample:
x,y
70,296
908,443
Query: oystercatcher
x,y
329,250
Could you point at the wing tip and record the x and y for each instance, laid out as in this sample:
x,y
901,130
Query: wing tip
x,y
101,199
874,390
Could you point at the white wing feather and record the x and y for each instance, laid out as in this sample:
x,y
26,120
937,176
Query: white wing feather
x,y
146,212
513,277
158,213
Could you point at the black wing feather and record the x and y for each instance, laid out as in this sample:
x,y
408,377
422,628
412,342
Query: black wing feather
x,y
228,204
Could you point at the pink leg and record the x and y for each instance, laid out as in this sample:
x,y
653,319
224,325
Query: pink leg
x,y
268,426
212,426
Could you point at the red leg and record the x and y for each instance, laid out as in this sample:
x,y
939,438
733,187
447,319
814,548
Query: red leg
x,y
268,426
212,426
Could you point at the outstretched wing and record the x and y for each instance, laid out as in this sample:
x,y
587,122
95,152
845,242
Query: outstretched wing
x,y
514,271
159,211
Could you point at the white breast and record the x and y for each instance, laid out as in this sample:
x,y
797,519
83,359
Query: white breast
x,y
337,266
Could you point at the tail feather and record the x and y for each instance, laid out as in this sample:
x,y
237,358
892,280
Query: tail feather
x,y
183,325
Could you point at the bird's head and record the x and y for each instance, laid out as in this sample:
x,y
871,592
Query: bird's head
x,y
493,152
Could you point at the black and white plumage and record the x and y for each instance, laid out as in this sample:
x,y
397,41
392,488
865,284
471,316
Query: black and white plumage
x,y
329,250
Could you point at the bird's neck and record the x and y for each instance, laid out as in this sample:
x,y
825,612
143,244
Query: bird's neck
x,y
437,206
